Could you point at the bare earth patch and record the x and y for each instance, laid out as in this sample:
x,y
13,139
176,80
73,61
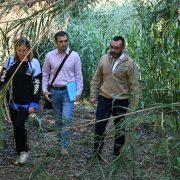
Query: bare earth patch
x,y
47,162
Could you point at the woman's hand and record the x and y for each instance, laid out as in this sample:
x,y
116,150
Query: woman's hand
x,y
31,110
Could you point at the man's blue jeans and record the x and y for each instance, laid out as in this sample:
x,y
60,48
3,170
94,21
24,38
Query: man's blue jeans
x,y
62,110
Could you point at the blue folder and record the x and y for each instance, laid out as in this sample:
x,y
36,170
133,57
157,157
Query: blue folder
x,y
72,89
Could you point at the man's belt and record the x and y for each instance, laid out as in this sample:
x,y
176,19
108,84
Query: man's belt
x,y
60,88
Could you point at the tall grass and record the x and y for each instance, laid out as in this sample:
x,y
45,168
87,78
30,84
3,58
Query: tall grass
x,y
154,44
152,41
152,34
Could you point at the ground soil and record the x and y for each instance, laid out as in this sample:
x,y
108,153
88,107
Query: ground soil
x,y
46,161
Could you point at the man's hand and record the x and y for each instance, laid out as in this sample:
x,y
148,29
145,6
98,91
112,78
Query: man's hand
x,y
31,110
93,101
46,95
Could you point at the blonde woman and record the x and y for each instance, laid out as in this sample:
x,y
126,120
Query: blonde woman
x,y
26,89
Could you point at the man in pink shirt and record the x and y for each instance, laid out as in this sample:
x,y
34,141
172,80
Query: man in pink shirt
x,y
70,72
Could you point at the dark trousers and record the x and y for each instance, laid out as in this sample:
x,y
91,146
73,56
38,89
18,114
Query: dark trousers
x,y
106,108
18,118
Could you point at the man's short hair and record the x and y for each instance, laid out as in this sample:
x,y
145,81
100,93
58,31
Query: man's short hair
x,y
61,33
119,38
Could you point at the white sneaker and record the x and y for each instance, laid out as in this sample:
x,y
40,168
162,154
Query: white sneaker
x,y
23,157
16,162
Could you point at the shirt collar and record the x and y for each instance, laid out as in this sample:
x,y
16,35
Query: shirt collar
x,y
121,57
116,62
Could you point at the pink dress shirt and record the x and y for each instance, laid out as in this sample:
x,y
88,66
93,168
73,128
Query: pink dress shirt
x,y
70,72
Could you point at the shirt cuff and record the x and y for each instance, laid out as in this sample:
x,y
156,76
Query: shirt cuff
x,y
34,105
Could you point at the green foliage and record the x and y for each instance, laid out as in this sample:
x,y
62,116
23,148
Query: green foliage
x,y
35,20
154,44
38,172
52,151
167,144
152,34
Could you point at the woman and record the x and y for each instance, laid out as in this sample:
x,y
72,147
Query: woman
x,y
26,89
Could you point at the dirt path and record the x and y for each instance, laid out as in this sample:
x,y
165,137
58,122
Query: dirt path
x,y
46,161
